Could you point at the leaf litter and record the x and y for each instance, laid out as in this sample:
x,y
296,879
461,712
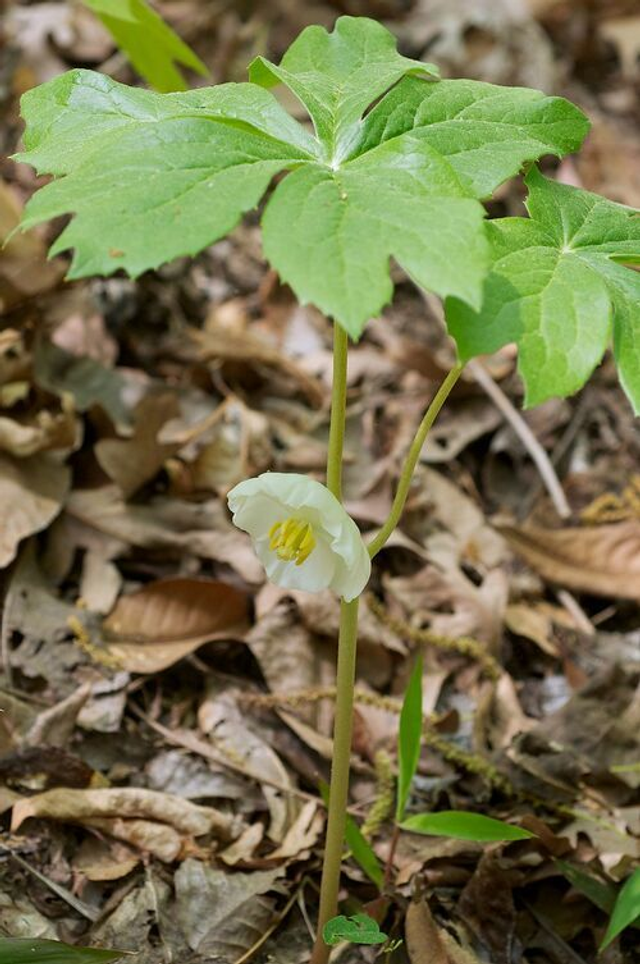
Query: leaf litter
x,y
166,716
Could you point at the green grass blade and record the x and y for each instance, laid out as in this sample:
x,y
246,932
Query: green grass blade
x,y
17,951
464,826
626,909
409,737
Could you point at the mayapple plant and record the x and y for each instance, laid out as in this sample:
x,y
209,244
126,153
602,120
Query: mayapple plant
x,y
394,164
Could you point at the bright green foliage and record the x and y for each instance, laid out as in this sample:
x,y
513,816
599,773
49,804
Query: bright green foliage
x,y
363,853
150,177
361,850
16,951
601,894
151,46
359,929
464,826
409,737
558,282
626,910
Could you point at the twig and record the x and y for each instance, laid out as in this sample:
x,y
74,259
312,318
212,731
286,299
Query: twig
x,y
91,913
532,445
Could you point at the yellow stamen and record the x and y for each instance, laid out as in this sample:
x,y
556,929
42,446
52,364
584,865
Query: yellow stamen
x,y
292,540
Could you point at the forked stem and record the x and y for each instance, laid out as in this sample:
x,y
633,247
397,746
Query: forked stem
x,y
412,460
347,641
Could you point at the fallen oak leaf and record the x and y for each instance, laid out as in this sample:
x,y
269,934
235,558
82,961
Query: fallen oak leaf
x,y
153,628
602,560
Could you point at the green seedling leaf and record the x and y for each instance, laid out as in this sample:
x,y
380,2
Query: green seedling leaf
x,y
601,894
361,850
16,951
409,737
150,177
626,910
464,826
151,46
363,853
359,929
559,283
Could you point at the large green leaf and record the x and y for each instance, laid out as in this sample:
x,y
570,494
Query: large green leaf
x,y
150,177
338,75
464,826
626,910
409,737
486,132
151,46
17,951
558,281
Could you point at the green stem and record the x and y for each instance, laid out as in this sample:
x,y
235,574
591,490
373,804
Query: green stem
x,y
346,673
338,410
412,460
339,792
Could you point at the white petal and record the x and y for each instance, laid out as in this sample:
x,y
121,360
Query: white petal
x,y
340,558
315,573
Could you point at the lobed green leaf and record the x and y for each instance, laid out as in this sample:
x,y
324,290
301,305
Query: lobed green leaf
x,y
558,287
150,177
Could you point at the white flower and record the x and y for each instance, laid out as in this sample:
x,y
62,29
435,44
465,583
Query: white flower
x,y
301,533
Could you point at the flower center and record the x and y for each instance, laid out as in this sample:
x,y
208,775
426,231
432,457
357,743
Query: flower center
x,y
292,540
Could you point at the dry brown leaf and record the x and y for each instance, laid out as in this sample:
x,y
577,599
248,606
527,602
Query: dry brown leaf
x,y
221,344
80,805
101,860
624,34
532,623
134,461
43,432
31,494
159,823
603,560
220,716
155,627
24,269
428,943
223,915
200,528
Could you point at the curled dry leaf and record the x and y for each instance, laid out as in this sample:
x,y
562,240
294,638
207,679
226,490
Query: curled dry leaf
x,y
603,560
153,628
31,495
428,943
43,432
159,823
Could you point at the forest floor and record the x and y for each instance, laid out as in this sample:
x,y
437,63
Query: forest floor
x,y
142,650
